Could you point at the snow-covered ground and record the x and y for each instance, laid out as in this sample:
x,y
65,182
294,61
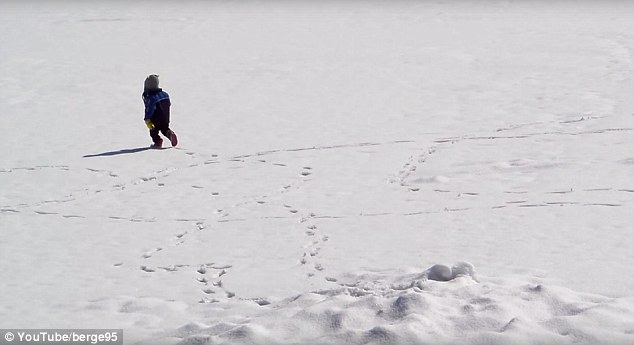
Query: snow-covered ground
x,y
330,154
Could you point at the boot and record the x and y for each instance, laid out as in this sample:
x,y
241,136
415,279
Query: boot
x,y
173,139
157,144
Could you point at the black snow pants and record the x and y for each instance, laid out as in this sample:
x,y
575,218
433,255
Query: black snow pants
x,y
161,121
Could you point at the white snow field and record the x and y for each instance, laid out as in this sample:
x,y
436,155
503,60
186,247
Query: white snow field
x,y
433,172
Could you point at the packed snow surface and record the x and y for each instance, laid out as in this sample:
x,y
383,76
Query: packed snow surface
x,y
449,172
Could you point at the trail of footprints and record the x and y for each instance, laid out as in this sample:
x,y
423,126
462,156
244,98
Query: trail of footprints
x,y
312,249
410,167
209,275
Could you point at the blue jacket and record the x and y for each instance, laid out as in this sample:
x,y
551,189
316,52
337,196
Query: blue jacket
x,y
152,99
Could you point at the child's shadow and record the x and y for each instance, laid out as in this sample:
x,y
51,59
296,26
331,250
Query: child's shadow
x,y
120,152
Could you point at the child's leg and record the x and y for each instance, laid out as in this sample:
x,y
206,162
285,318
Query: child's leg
x,y
163,126
168,133
154,133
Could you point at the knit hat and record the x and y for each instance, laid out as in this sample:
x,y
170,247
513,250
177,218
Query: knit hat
x,y
151,82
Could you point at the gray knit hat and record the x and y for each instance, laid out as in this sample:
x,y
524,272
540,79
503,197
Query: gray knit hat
x,y
151,82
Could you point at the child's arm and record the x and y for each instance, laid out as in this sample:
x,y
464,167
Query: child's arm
x,y
150,105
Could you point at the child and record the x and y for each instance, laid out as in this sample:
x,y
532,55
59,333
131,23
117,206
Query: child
x,y
157,112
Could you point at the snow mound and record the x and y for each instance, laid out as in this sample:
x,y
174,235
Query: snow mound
x,y
444,273
442,305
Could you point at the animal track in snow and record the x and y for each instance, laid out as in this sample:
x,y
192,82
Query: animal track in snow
x,y
412,165
168,268
147,269
151,253
312,250
45,213
209,276
603,204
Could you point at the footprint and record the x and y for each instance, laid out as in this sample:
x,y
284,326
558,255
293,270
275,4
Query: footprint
x,y
261,301
603,204
561,192
147,269
45,213
149,254
72,216
206,300
169,268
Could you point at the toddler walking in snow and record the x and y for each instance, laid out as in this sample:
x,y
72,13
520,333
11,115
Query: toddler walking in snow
x,y
157,112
